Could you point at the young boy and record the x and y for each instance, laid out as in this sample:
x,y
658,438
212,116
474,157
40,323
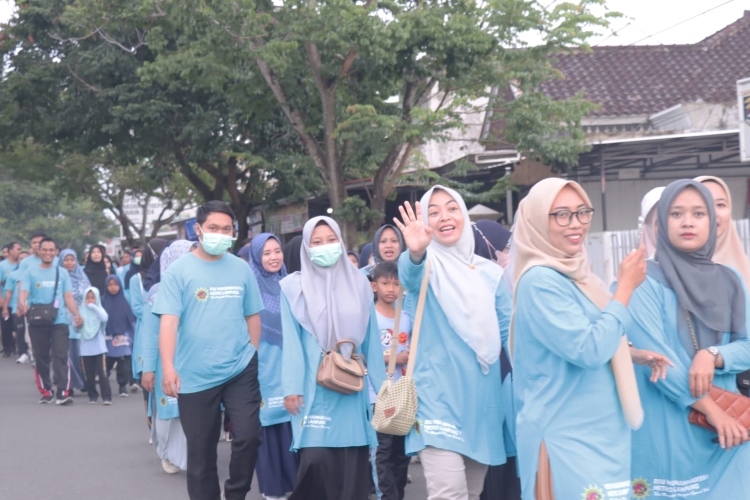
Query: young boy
x,y
391,462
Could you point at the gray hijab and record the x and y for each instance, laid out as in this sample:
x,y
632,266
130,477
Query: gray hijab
x,y
333,303
712,293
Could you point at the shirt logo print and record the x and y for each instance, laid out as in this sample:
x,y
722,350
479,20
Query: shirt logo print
x,y
201,295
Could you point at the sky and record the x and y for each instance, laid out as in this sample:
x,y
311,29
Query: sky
x,y
642,18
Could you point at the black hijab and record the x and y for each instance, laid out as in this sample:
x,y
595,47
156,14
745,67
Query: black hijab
x,y
712,293
292,255
132,270
489,237
97,271
150,271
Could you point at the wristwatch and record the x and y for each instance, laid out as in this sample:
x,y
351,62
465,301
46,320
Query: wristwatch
x,y
713,350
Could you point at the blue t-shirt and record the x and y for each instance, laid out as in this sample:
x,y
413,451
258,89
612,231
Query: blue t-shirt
x,y
34,261
6,267
272,409
11,285
212,300
40,283
385,325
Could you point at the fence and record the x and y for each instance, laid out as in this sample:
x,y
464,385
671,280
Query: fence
x,y
606,250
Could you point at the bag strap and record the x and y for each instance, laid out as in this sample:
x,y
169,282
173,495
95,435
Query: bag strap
x,y
394,337
418,319
57,278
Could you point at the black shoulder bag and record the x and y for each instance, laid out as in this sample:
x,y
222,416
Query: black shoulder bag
x,y
44,314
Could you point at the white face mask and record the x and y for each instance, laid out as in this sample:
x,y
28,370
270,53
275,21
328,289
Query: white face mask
x,y
326,255
214,243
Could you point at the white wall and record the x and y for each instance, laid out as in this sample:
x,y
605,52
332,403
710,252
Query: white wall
x,y
624,200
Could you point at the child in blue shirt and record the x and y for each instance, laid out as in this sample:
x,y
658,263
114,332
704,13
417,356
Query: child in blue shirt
x,y
391,461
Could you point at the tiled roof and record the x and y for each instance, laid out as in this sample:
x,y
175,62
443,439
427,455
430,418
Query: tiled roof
x,y
646,79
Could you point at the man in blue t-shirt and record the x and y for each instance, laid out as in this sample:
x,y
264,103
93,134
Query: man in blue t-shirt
x,y
7,266
46,284
212,299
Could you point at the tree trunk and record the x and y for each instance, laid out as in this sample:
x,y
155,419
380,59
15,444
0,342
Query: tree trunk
x,y
242,213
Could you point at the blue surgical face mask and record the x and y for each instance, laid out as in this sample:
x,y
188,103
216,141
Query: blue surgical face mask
x,y
137,261
214,243
326,255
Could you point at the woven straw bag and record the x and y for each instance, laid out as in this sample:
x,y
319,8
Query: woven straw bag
x,y
396,407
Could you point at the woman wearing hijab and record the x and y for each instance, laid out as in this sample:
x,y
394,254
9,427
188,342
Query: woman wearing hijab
x,y
457,366
365,255
695,311
120,331
387,245
572,369
326,302
292,255
68,259
96,269
166,430
136,256
648,219
277,465
244,253
501,483
151,275
142,262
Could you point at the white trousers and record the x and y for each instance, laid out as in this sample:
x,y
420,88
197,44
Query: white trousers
x,y
451,476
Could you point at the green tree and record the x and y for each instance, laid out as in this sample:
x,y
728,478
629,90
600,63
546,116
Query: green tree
x,y
29,207
113,121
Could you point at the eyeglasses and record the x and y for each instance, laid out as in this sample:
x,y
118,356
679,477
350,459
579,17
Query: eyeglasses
x,y
565,217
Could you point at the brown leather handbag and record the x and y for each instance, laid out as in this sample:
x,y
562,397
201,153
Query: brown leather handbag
x,y
735,405
336,373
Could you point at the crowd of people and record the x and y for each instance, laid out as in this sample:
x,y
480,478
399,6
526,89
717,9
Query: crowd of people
x,y
534,378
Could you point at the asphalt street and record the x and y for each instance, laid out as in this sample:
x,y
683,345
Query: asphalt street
x,y
86,452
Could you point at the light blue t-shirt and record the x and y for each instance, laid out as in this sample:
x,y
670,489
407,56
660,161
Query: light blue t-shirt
x,y
212,300
6,267
272,409
34,261
148,361
386,325
565,389
11,285
40,283
460,408
328,418
671,457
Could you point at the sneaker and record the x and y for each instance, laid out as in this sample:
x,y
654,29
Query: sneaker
x,y
47,399
107,402
228,437
23,359
134,388
63,398
169,467
93,401
123,391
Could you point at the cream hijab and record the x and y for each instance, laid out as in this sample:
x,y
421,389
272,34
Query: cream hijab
x,y
533,248
464,285
729,251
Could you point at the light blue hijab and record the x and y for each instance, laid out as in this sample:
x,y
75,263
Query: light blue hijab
x,y
78,278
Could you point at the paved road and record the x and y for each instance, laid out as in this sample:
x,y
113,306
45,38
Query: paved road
x,y
83,452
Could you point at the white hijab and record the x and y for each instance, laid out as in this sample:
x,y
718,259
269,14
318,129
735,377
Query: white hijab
x,y
332,303
464,285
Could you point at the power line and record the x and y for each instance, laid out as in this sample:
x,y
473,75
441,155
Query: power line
x,y
681,22
662,31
